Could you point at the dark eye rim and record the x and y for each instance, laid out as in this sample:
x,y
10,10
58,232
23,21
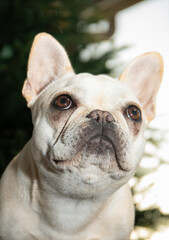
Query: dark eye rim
x,y
63,108
129,116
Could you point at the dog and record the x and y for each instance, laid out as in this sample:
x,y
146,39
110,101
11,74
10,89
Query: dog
x,y
69,182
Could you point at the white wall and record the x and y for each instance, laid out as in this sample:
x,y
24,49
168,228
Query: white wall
x,y
145,27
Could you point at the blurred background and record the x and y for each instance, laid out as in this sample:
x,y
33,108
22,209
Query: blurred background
x,y
100,36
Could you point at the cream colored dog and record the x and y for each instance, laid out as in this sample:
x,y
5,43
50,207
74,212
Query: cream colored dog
x,y
70,180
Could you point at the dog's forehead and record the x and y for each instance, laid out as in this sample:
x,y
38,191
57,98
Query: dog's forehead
x,y
99,89
92,91
88,82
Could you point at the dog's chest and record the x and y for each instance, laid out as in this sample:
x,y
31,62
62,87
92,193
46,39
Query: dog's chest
x,y
68,219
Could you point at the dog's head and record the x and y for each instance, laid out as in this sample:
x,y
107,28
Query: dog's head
x,y
88,130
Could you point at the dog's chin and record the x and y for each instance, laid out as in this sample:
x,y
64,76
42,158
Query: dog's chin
x,y
89,182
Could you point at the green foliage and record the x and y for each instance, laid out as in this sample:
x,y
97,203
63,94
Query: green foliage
x,y
20,21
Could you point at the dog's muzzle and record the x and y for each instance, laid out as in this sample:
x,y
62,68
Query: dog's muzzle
x,y
107,139
100,142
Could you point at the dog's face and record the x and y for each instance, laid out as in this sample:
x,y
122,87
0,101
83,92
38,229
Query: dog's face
x,y
88,130
90,136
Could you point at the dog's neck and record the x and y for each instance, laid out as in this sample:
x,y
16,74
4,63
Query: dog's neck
x,y
68,215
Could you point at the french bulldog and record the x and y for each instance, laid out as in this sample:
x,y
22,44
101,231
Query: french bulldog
x,y
69,182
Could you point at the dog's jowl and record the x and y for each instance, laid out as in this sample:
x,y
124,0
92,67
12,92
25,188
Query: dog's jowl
x,y
69,182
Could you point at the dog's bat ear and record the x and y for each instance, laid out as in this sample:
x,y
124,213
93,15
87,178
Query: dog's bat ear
x,y
144,75
48,61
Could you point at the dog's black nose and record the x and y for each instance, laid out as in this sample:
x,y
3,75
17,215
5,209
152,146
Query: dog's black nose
x,y
101,116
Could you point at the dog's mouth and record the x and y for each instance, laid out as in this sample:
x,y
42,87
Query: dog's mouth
x,y
96,145
99,144
105,146
99,150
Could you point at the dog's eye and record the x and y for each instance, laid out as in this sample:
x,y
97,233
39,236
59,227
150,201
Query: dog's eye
x,y
133,113
63,102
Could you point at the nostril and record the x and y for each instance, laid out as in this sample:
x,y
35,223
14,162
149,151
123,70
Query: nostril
x,y
98,117
94,115
109,117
